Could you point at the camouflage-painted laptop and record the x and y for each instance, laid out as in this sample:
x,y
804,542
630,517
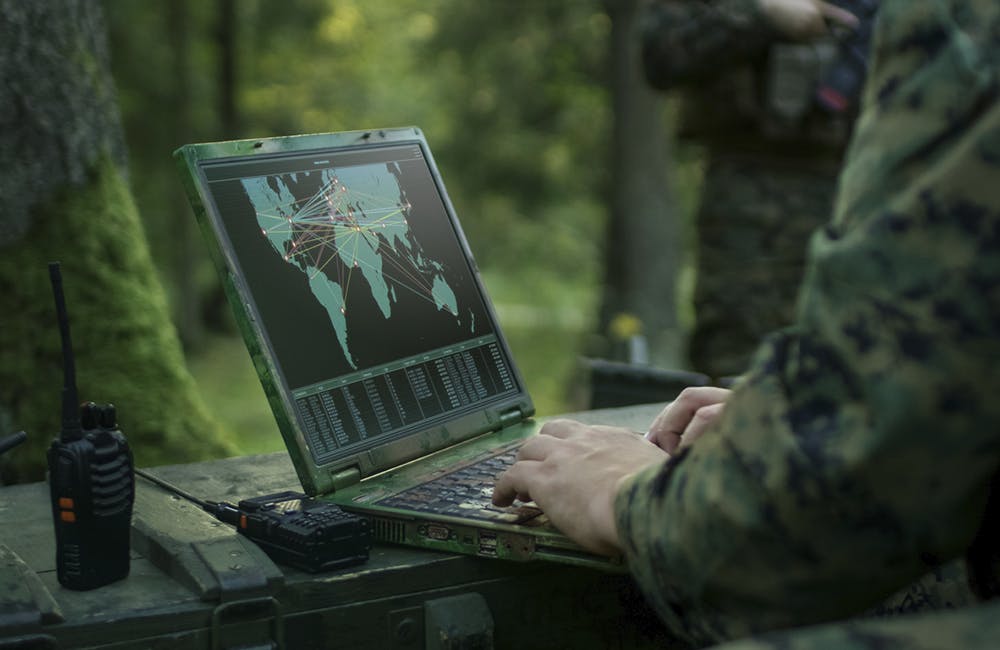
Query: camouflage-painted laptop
x,y
368,324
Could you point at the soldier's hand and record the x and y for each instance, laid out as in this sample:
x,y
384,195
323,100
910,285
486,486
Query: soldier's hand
x,y
805,19
687,417
573,472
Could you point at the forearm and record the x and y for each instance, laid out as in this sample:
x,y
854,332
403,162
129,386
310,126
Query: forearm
x,y
805,505
688,41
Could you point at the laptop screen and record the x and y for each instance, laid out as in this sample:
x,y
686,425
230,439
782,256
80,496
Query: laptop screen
x,y
362,289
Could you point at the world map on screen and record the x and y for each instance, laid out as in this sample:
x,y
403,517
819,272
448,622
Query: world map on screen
x,y
347,230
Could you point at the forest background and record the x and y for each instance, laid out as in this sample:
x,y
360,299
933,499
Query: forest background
x,y
557,156
517,101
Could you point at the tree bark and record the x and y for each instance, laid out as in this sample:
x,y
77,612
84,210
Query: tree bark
x,y
62,170
641,258
184,252
226,31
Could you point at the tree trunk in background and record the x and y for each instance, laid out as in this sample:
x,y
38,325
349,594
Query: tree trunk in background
x,y
642,257
226,32
187,299
66,198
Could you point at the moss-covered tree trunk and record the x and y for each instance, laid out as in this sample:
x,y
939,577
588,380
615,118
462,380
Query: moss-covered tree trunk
x,y
66,198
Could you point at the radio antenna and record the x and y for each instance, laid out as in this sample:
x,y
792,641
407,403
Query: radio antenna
x,y
71,429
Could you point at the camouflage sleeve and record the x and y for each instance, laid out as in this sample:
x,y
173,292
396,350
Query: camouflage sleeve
x,y
857,452
687,41
970,628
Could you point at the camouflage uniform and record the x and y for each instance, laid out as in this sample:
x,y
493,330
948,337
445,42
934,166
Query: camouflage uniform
x,y
773,158
858,451
970,627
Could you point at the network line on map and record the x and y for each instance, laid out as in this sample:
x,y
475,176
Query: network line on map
x,y
334,233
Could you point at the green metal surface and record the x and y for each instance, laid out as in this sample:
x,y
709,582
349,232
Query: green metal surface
x,y
458,623
377,605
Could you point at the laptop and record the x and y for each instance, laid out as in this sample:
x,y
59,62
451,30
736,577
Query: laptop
x,y
371,331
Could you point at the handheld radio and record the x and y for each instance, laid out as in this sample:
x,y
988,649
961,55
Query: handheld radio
x,y
299,531
91,480
291,528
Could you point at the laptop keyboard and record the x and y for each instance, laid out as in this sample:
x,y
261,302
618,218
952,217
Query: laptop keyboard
x,y
465,492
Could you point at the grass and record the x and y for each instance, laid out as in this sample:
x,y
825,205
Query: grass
x,y
234,395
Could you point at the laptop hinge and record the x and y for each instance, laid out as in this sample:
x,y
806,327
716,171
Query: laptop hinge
x,y
344,477
510,417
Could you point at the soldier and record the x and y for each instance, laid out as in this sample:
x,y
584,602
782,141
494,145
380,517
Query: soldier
x,y
862,448
771,96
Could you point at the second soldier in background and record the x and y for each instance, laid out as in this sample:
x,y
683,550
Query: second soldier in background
x,y
770,89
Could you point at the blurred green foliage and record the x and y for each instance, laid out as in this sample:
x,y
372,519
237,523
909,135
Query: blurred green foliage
x,y
511,94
